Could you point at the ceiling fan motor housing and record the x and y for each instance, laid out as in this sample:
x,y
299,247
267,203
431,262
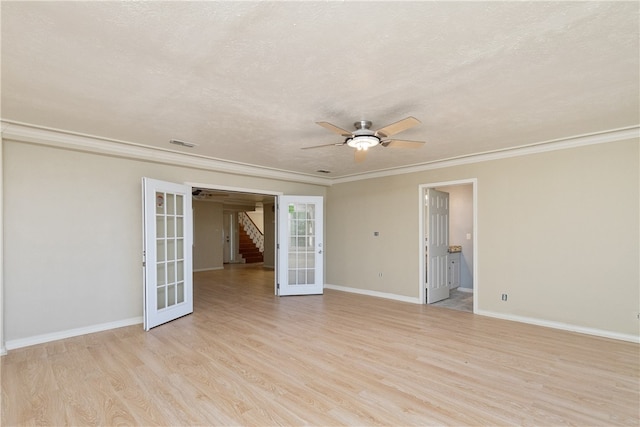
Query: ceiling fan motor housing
x,y
362,124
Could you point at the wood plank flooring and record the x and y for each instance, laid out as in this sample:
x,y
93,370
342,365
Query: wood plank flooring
x,y
246,357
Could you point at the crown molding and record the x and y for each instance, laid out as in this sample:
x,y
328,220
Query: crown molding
x,y
21,132
613,135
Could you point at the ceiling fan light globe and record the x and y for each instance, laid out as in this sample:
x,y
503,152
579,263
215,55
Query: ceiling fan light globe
x,y
363,142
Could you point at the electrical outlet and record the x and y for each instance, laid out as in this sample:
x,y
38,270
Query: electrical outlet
x,y
504,297
380,275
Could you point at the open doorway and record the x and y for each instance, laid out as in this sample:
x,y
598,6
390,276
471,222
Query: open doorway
x,y
460,273
234,228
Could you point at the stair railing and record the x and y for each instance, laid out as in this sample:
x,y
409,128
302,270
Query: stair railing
x,y
252,230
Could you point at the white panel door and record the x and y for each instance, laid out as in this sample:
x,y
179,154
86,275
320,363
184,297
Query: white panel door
x,y
167,260
300,250
437,246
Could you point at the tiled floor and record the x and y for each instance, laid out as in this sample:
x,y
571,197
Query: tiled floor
x,y
457,300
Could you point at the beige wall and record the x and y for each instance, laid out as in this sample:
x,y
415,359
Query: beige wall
x,y
258,219
557,231
269,221
73,235
208,237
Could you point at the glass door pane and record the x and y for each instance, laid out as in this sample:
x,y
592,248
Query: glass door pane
x,y
301,247
300,253
169,245
168,228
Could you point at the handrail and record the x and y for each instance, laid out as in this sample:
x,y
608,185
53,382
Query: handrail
x,y
254,224
252,230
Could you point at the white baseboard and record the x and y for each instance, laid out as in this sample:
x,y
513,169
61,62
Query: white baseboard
x,y
521,319
468,290
373,293
562,326
44,338
208,269
40,339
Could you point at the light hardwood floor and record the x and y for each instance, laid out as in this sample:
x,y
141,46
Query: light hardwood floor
x,y
246,357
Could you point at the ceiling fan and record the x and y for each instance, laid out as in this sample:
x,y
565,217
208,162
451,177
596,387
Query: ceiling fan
x,y
203,194
364,138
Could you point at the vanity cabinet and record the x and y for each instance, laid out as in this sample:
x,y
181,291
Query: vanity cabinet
x,y
454,270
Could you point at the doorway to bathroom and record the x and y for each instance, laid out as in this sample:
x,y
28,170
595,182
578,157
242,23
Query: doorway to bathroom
x,y
448,244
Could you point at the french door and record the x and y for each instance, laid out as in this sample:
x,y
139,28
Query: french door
x,y
168,236
300,246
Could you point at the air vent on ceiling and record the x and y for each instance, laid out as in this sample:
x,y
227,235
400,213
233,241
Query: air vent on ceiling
x,y
183,143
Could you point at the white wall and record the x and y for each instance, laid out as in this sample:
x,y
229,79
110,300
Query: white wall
x,y
557,231
73,235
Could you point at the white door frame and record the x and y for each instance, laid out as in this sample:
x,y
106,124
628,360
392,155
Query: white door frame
x,y
276,194
3,349
421,229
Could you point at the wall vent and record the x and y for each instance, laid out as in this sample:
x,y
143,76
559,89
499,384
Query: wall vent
x,y
183,143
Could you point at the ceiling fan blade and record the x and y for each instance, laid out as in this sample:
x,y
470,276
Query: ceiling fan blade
x,y
334,128
401,143
397,127
323,145
359,155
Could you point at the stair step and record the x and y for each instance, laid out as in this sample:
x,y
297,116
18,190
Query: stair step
x,y
248,250
250,253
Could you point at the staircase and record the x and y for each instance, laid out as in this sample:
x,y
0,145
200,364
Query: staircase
x,y
249,251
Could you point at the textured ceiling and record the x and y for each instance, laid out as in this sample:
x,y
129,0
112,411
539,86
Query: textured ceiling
x,y
247,80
